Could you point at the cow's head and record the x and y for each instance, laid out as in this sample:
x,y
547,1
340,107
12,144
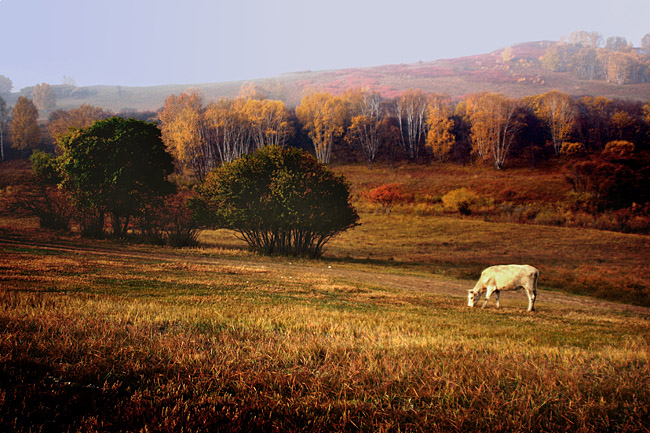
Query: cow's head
x,y
472,298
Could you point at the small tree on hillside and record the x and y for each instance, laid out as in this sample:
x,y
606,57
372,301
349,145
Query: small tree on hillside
x,y
116,167
43,97
280,201
25,132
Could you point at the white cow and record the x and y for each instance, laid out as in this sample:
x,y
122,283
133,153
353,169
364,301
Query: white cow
x,y
505,277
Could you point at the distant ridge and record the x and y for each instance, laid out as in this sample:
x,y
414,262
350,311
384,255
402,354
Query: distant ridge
x,y
521,76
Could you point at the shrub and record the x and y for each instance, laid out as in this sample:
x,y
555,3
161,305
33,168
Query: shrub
x,y
386,195
620,148
40,195
611,183
571,149
280,201
550,217
180,224
460,200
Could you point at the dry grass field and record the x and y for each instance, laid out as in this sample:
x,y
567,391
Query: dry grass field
x,y
375,336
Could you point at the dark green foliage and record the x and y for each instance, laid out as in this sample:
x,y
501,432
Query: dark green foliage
x,y
116,167
281,201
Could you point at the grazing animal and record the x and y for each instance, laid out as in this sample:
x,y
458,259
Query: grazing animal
x,y
505,277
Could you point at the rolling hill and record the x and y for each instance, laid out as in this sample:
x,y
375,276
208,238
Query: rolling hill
x,y
519,77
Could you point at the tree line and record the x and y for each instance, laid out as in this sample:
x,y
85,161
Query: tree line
x,y
361,125
589,56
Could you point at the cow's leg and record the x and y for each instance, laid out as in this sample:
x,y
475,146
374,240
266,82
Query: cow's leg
x,y
498,293
532,294
488,293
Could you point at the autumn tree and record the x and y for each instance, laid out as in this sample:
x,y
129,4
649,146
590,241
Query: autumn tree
x,y
555,58
323,116
61,121
227,130
494,126
622,122
410,110
4,116
43,97
252,90
5,85
557,111
594,120
586,39
268,121
645,44
25,132
587,63
616,43
366,115
508,55
182,128
440,125
618,67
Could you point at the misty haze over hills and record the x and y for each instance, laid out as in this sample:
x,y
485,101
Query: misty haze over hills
x,y
521,75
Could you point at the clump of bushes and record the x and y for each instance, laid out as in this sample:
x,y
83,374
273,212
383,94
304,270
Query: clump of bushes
x,y
41,196
460,200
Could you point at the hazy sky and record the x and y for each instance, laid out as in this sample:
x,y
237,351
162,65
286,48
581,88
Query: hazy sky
x,y
149,42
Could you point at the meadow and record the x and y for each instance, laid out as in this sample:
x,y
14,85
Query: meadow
x,y
374,336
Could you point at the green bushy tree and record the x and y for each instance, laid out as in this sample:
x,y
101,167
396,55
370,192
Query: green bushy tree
x,y
115,167
280,201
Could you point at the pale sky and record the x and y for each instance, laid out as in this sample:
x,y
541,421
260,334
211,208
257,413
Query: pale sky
x,y
152,42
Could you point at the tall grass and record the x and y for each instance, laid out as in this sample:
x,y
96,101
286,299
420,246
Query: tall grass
x,y
173,342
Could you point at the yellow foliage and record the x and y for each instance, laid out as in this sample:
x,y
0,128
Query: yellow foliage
x,y
323,115
269,122
568,148
440,137
619,148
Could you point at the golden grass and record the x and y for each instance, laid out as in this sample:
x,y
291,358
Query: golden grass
x,y
107,340
100,336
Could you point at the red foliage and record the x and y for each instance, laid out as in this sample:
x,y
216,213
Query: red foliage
x,y
387,195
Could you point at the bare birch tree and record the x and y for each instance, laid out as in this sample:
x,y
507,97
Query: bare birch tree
x,y
323,115
365,123
410,112
268,121
494,126
557,111
226,129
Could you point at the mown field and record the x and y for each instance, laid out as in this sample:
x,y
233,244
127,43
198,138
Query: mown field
x,y
375,336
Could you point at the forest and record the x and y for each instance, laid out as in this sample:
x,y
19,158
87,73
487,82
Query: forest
x,y
601,146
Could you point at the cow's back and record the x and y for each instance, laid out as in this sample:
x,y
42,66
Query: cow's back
x,y
510,277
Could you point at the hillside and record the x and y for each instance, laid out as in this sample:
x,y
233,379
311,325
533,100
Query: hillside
x,y
457,77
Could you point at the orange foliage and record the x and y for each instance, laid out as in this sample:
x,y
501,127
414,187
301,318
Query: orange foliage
x,y
387,195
